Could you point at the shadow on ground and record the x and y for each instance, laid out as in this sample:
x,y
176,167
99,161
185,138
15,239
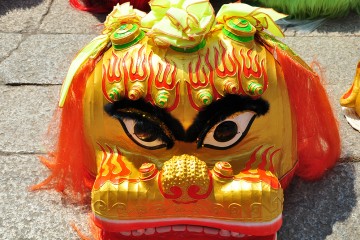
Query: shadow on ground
x,y
312,208
347,24
7,5
100,16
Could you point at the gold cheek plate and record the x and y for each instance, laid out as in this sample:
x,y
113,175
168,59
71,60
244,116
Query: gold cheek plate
x,y
184,187
240,184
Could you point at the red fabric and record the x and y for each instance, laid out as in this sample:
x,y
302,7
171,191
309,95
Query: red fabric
x,y
105,6
318,137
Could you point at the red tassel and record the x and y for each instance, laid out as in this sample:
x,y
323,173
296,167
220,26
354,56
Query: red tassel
x,y
105,6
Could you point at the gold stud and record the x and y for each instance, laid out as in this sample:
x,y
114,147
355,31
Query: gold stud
x,y
137,91
223,170
147,170
230,87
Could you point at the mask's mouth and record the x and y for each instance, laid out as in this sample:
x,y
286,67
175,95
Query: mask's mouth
x,y
188,232
190,226
184,229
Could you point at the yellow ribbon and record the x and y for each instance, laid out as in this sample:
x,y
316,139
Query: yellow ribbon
x,y
261,18
180,23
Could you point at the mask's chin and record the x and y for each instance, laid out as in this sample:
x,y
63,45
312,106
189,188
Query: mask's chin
x,y
183,232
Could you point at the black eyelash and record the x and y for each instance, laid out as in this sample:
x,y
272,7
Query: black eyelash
x,y
220,110
200,142
140,105
159,132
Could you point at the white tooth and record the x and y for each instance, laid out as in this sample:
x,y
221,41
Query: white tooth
x,y
192,228
137,233
163,229
179,228
149,231
212,231
224,233
126,233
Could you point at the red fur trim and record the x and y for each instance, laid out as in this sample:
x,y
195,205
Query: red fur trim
x,y
105,6
318,137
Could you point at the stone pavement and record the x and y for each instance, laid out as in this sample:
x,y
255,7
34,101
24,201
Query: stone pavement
x,y
39,38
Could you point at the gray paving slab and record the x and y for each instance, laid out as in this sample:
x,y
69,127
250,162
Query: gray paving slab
x,y
22,16
34,215
38,40
74,21
338,56
8,42
25,113
42,58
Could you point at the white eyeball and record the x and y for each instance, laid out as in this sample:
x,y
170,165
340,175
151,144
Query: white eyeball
x,y
230,131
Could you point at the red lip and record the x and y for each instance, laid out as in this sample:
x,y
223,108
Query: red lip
x,y
248,229
181,236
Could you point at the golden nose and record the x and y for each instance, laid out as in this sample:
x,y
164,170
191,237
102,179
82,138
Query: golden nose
x,y
185,179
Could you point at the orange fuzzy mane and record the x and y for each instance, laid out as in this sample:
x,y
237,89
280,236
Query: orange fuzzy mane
x,y
67,160
318,140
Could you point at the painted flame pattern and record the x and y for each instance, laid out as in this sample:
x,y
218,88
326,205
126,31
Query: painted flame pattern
x,y
214,65
260,167
112,168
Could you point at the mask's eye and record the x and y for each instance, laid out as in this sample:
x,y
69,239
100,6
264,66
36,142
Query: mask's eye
x,y
146,133
228,132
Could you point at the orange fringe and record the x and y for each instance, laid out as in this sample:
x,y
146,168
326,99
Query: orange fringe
x,y
318,137
66,162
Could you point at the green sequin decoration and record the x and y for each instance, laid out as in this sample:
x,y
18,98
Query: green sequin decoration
x,y
162,98
205,97
114,94
255,88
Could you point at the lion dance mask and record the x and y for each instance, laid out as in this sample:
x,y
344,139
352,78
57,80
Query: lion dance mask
x,y
350,102
189,125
